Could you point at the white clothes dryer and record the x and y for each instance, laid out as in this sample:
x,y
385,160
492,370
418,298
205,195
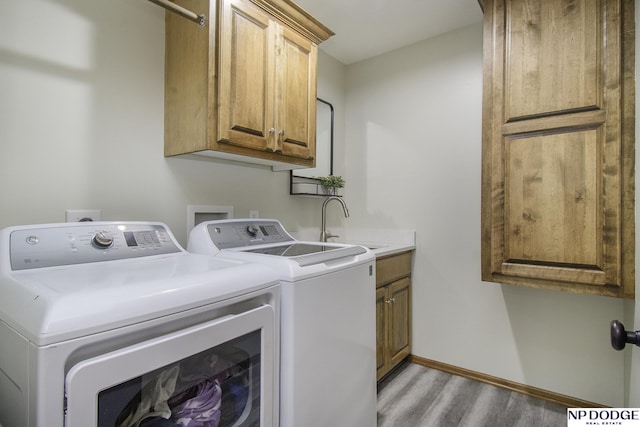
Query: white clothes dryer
x,y
328,342
114,324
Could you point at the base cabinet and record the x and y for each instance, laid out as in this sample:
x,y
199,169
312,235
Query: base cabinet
x,y
393,311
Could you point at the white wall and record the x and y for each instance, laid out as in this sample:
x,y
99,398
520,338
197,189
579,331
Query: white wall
x,y
632,311
413,147
81,123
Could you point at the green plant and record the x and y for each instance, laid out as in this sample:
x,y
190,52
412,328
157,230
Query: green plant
x,y
332,181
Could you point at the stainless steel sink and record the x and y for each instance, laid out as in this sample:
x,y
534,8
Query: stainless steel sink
x,y
374,246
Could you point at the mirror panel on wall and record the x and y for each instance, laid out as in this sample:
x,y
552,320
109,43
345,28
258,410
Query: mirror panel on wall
x,y
304,181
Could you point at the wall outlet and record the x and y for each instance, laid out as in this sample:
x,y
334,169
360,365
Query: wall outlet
x,y
81,215
254,214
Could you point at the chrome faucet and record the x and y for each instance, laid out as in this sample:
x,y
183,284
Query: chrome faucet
x,y
323,233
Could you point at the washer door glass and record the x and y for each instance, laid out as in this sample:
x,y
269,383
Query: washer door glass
x,y
216,374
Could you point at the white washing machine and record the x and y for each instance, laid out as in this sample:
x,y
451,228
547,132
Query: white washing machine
x,y
328,359
114,324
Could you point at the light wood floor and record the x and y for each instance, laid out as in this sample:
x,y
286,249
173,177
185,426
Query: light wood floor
x,y
416,396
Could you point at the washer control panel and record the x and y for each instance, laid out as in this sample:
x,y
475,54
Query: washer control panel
x,y
79,243
243,233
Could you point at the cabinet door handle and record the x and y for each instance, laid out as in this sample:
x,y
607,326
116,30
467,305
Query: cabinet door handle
x,y
271,144
280,140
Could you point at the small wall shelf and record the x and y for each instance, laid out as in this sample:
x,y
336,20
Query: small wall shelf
x,y
303,181
301,186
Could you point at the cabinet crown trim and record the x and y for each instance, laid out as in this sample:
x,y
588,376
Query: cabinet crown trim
x,y
297,18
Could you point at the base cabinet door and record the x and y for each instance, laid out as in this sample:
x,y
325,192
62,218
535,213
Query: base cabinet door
x,y
393,312
399,322
381,330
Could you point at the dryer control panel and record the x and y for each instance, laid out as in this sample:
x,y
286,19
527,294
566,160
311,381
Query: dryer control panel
x,y
243,233
79,243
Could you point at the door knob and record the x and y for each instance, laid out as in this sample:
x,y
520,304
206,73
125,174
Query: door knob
x,y
619,337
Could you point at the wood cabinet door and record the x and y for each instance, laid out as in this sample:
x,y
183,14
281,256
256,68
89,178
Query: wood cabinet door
x,y
246,76
399,320
558,145
381,331
295,108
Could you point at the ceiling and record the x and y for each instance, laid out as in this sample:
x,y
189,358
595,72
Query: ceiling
x,y
366,28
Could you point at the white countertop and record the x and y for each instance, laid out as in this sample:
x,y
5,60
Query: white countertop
x,y
385,250
381,242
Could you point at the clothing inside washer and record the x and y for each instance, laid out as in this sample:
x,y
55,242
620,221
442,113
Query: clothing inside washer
x,y
212,388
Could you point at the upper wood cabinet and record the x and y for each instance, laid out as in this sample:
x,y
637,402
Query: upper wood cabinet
x,y
244,87
558,145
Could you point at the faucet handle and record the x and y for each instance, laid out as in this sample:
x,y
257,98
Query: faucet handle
x,y
324,236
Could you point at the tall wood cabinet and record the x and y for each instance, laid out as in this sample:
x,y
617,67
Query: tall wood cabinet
x,y
243,87
393,311
558,145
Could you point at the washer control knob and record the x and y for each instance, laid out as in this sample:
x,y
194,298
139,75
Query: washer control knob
x,y
102,240
252,230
